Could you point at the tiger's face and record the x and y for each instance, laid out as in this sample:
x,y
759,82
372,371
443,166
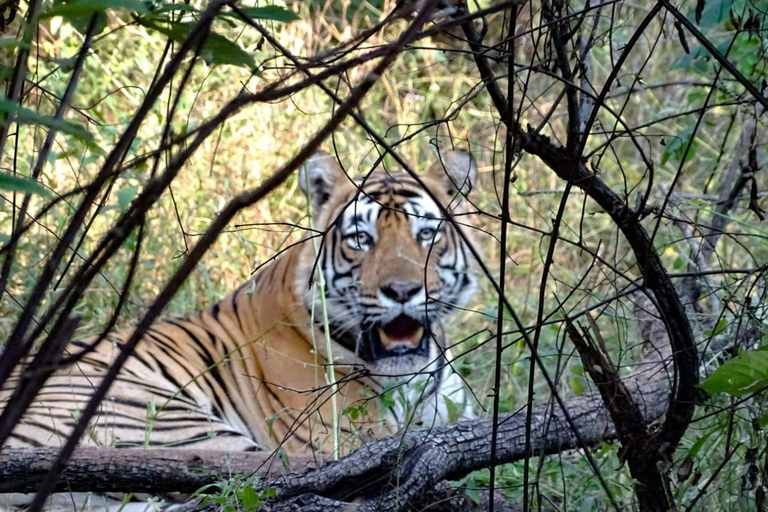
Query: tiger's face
x,y
393,265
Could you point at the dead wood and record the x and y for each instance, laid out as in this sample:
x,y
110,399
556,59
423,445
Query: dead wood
x,y
137,470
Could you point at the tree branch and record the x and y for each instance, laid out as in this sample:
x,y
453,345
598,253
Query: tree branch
x,y
571,167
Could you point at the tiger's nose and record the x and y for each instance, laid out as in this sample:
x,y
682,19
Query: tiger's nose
x,y
401,291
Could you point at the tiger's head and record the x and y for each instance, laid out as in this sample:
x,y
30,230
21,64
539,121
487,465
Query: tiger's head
x,y
392,264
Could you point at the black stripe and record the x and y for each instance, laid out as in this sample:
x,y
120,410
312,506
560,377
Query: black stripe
x,y
184,442
212,366
74,385
198,416
144,425
285,276
404,192
81,344
25,439
235,308
167,346
256,279
171,408
70,422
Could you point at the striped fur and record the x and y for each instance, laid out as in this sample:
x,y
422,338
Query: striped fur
x,y
249,373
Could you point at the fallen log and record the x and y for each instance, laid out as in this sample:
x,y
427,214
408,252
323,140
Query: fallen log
x,y
138,470
465,444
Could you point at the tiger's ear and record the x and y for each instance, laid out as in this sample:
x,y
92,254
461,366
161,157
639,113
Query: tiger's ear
x,y
319,177
456,169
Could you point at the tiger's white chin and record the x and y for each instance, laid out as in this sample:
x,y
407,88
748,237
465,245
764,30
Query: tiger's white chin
x,y
401,368
428,393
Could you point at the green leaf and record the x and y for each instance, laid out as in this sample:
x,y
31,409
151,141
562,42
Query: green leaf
x,y
741,375
271,421
5,72
719,328
216,50
83,8
474,495
172,8
387,395
588,504
352,412
285,459
7,42
699,444
268,12
575,383
746,54
30,117
250,499
125,196
712,14
220,50
17,183
676,147
66,64
453,409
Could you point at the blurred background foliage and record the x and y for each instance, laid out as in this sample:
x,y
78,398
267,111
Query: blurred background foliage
x,y
430,97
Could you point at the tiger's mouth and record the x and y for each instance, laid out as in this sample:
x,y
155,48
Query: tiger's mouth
x,y
402,336
402,333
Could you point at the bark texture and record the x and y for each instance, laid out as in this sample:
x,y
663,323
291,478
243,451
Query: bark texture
x,y
137,470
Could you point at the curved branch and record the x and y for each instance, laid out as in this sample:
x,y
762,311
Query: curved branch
x,y
655,277
571,166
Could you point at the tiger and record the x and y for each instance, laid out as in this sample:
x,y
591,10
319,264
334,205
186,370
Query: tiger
x,y
367,297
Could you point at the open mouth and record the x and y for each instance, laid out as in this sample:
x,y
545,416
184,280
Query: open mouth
x,y
401,336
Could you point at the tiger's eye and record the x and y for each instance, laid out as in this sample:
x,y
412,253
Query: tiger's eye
x,y
359,240
427,234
